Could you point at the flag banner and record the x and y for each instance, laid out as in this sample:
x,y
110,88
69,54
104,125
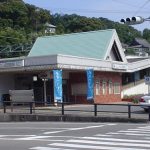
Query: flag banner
x,y
90,84
57,76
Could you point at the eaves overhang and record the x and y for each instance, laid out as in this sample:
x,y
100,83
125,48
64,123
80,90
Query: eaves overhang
x,y
63,62
138,65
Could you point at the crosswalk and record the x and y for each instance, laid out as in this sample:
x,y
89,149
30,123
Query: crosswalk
x,y
130,139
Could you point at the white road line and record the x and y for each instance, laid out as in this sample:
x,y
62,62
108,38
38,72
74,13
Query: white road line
x,y
132,134
139,130
49,148
103,135
117,140
45,148
92,146
53,132
147,127
74,129
109,143
15,135
21,139
134,131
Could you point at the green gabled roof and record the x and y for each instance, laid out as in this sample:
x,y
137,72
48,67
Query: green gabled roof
x,y
93,44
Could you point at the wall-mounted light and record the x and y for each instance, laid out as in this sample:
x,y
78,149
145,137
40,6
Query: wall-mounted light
x,y
34,78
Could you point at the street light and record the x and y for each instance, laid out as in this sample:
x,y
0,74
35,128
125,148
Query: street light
x,y
134,20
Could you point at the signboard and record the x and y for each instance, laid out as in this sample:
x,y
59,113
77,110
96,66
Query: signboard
x,y
57,74
9,64
147,80
90,84
119,66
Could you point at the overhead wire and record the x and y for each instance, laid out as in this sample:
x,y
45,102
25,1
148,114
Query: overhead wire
x,y
141,7
94,11
125,3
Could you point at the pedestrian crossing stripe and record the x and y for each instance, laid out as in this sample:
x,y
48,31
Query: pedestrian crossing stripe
x,y
116,139
48,148
132,134
70,145
108,141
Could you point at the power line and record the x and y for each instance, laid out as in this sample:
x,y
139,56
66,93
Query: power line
x,y
125,3
142,7
94,11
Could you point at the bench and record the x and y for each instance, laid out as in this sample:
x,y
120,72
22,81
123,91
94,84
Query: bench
x,y
21,97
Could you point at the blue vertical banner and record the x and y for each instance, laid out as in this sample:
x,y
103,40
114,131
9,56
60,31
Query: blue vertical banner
x,y
57,76
90,84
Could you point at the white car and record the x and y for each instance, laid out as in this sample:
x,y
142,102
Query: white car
x,y
145,102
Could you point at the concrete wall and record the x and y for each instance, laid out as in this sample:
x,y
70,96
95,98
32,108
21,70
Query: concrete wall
x,y
6,83
135,90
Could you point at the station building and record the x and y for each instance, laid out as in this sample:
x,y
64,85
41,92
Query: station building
x,y
73,54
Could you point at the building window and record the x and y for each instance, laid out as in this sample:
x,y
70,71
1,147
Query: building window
x,y
79,89
110,87
97,87
116,88
104,87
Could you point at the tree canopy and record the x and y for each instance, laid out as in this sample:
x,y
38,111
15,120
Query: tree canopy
x,y
22,23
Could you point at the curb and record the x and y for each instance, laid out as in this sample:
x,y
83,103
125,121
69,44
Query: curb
x,y
66,118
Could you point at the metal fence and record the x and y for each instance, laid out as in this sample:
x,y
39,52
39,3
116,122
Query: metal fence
x,y
97,110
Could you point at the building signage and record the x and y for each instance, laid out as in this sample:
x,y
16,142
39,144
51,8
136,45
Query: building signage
x,y
90,84
9,64
119,66
147,80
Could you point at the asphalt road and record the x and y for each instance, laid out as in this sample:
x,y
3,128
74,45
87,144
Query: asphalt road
x,y
74,136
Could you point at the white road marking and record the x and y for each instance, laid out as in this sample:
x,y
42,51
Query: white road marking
x,y
16,135
115,139
134,131
132,134
45,148
92,146
146,127
74,129
104,135
147,130
109,143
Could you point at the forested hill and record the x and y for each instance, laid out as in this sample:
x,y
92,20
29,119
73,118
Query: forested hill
x,y
22,23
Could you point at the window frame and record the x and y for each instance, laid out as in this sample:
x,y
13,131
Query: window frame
x,y
118,86
110,87
97,86
104,88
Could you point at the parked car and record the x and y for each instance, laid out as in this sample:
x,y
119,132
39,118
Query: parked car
x,y
145,102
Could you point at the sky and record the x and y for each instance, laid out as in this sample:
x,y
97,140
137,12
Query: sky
x,y
111,9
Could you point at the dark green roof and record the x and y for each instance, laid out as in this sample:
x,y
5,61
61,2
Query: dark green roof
x,y
93,44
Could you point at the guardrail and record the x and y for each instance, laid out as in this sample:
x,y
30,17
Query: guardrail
x,y
95,110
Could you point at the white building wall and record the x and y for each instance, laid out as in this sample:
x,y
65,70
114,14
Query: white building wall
x,y
6,83
137,89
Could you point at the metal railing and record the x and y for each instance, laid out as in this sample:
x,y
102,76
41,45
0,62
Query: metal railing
x,y
95,110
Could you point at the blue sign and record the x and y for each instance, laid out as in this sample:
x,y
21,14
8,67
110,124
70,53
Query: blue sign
x,y
57,74
90,84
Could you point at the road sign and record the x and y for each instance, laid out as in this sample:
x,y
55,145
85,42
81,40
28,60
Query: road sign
x,y
147,80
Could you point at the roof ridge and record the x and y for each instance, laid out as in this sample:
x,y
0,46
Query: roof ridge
x,y
78,33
